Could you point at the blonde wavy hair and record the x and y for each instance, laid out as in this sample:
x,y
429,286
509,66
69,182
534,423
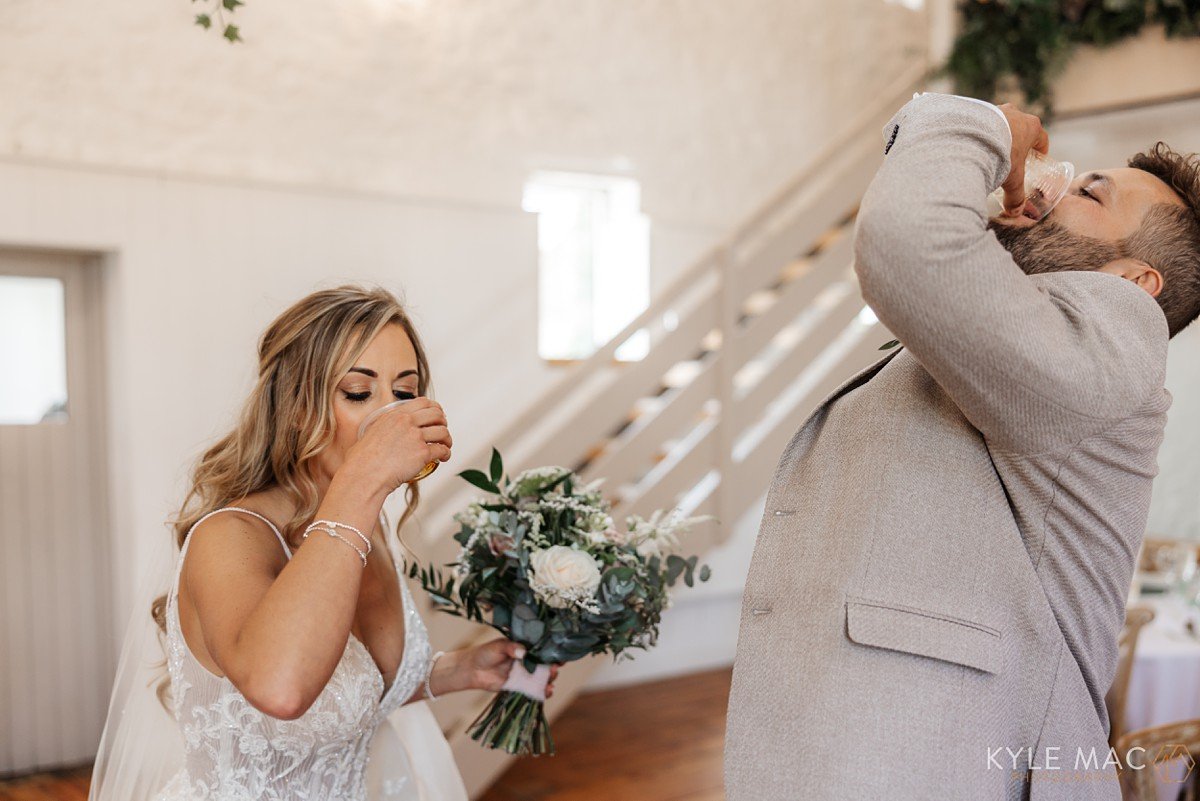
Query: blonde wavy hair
x,y
287,421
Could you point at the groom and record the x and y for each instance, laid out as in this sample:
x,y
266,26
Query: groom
x,y
940,575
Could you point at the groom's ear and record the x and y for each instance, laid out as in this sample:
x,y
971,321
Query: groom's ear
x,y
1137,271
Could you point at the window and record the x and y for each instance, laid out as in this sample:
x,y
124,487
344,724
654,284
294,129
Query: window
x,y
33,351
593,262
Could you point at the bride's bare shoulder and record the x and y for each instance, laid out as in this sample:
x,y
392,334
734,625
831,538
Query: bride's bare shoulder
x,y
235,540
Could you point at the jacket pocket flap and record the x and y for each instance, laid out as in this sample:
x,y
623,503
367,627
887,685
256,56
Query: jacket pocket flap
x,y
916,631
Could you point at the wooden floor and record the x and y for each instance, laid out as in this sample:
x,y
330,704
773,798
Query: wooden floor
x,y
61,785
659,741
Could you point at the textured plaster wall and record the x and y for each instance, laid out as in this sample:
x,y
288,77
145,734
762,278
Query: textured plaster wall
x,y
710,103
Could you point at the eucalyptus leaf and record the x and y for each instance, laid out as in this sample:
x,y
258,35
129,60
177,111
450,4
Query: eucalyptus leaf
x,y
534,629
478,479
675,566
497,466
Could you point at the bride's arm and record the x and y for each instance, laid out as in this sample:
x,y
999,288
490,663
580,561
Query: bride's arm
x,y
479,667
279,637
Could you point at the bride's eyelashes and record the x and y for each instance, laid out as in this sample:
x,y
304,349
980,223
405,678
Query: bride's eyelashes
x,y
362,397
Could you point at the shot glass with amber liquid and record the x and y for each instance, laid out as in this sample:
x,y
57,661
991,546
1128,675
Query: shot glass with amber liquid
x,y
370,418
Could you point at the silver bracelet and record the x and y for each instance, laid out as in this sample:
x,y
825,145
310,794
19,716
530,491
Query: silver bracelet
x,y
428,691
336,524
333,533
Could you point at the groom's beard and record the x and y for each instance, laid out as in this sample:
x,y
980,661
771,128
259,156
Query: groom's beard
x,y
1047,247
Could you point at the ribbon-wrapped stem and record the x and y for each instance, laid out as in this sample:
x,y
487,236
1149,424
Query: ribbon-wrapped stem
x,y
515,720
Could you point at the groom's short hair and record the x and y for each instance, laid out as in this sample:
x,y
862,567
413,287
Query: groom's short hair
x,y
1169,236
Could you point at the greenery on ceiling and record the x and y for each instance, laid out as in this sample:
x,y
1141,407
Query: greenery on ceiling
x,y
214,17
1024,41
1028,42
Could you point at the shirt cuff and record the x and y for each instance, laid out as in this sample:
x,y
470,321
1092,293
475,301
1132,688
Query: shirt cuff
x,y
992,106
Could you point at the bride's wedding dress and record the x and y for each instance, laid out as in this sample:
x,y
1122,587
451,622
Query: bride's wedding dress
x,y
357,742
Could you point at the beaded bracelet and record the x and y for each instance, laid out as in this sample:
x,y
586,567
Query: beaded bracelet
x,y
333,533
336,524
428,691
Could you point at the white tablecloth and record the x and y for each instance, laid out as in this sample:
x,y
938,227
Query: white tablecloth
x,y
1164,686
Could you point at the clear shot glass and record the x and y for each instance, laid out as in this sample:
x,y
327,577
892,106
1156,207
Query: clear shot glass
x,y
370,418
1046,183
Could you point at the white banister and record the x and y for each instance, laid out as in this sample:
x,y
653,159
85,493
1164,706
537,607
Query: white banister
x,y
863,132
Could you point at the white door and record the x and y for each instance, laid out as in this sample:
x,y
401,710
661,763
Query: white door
x,y
55,650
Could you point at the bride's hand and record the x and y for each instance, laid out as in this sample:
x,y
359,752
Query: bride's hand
x,y
487,666
399,443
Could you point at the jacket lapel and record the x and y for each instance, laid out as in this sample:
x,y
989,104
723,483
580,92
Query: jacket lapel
x,y
860,377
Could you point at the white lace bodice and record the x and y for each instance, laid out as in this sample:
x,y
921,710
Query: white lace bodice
x,y
234,752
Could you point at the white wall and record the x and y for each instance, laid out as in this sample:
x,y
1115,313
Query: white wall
x,y
709,103
194,272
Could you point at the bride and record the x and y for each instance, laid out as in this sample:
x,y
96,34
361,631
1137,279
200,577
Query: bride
x,y
296,658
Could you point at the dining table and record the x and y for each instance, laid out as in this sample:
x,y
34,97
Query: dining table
x,y
1164,683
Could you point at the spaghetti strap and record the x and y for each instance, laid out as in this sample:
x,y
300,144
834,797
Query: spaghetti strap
x,y
282,541
172,594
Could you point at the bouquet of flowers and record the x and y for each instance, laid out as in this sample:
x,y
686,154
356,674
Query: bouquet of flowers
x,y
543,563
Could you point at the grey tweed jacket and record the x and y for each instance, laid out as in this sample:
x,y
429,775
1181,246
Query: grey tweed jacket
x,y
940,574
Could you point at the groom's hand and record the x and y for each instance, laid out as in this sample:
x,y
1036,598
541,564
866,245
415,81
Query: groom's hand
x,y
1027,134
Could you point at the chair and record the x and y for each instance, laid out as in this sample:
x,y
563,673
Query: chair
x,y
1135,618
1148,556
1163,744
1156,553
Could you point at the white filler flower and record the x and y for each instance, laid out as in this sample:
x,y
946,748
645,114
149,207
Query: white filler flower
x,y
562,576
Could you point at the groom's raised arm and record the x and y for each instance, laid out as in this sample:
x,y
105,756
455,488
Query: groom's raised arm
x,y
1029,369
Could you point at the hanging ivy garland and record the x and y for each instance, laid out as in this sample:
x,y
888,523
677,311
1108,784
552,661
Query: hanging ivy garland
x,y
1030,41
216,16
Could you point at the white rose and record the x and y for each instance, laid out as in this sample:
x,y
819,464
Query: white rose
x,y
563,575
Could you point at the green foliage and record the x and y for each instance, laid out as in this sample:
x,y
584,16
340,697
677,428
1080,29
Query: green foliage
x,y
492,587
491,582
219,9
1031,41
479,479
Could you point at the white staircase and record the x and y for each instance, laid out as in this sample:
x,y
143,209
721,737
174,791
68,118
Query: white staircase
x,y
742,347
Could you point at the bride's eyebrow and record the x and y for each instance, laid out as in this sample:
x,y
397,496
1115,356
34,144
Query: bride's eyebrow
x,y
367,371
